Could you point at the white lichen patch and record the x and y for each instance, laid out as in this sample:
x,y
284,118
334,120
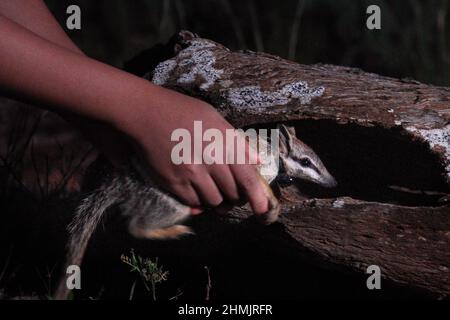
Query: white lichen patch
x,y
162,72
199,60
338,203
196,61
436,138
254,97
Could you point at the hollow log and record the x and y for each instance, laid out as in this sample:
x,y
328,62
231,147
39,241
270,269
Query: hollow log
x,y
387,141
253,88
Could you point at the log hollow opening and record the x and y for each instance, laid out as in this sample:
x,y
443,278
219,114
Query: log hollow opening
x,y
385,165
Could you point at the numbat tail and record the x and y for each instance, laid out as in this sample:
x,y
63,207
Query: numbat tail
x,y
154,214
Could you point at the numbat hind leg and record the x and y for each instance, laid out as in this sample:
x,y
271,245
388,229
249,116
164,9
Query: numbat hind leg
x,y
156,215
173,232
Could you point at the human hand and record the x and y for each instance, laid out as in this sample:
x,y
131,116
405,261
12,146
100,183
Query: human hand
x,y
150,124
65,81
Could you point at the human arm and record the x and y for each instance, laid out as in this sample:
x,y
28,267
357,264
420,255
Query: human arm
x,y
41,71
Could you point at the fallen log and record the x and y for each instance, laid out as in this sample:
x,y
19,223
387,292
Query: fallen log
x,y
409,244
249,88
387,141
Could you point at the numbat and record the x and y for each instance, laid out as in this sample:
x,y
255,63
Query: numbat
x,y
154,214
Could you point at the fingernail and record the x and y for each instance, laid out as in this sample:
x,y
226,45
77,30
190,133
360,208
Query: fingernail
x,y
196,211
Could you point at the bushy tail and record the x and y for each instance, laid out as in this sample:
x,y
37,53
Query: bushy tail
x,y
87,217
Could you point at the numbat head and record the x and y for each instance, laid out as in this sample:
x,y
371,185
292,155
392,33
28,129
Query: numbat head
x,y
300,161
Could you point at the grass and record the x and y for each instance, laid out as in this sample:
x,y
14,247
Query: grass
x,y
150,273
34,206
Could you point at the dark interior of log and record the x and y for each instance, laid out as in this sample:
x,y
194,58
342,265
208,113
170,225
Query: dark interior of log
x,y
372,164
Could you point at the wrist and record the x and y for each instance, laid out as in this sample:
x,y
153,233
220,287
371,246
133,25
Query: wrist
x,y
132,110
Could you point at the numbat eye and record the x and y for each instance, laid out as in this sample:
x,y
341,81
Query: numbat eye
x,y
305,162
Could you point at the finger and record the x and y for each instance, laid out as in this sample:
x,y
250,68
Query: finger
x,y
187,194
249,148
196,211
208,191
250,184
224,179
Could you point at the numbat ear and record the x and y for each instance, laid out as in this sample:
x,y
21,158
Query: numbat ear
x,y
287,134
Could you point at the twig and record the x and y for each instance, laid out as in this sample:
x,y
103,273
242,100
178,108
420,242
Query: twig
x,y
164,16
13,174
133,286
441,25
177,295
69,173
235,24
293,42
255,26
179,7
5,267
36,169
208,284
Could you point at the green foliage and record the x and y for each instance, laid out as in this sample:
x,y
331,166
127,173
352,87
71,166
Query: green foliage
x,y
150,273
